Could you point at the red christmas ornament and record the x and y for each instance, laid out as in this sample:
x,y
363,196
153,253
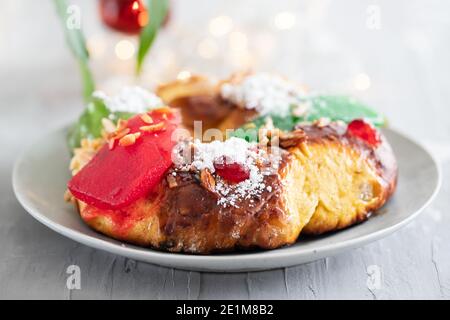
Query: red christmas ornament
x,y
364,131
128,16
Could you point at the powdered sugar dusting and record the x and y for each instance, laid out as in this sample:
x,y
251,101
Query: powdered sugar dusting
x,y
265,93
233,150
130,99
231,194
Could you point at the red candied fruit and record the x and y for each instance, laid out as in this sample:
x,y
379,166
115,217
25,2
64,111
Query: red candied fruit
x,y
116,177
232,172
364,131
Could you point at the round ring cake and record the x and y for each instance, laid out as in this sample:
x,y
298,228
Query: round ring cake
x,y
222,166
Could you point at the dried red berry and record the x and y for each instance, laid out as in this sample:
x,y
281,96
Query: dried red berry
x,y
364,131
128,16
232,172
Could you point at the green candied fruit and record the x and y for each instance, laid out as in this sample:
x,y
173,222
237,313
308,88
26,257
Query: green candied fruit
x,y
342,108
334,107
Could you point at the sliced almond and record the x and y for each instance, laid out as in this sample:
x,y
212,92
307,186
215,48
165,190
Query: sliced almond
x,y
146,118
207,180
121,124
117,135
292,138
128,140
120,134
108,125
111,143
153,128
172,181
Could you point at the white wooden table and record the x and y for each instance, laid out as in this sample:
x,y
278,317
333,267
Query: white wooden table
x,y
405,58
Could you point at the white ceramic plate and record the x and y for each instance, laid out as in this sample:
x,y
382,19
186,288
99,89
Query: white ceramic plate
x,y
41,174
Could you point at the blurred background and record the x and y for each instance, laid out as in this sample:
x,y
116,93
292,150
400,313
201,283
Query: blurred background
x,y
394,55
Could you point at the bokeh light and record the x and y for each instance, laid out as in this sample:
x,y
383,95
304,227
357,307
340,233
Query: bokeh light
x,y
208,49
125,50
285,20
220,26
361,82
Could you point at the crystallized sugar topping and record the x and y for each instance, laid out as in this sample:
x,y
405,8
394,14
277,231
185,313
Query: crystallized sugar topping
x,y
233,150
131,99
230,194
204,155
265,93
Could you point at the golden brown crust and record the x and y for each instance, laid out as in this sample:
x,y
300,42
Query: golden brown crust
x,y
193,86
374,168
187,218
199,100
327,181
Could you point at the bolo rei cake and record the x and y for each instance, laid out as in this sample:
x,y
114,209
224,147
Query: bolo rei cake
x,y
253,161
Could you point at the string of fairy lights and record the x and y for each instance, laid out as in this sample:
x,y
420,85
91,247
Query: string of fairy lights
x,y
223,44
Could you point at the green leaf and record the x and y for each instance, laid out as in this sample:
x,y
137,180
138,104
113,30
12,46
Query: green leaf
x,y
158,10
115,116
87,80
77,44
89,125
342,108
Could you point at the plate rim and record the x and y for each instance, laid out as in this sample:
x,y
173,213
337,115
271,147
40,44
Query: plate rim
x,y
213,263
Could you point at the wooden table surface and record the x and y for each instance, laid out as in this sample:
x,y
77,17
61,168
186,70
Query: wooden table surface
x,y
402,47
